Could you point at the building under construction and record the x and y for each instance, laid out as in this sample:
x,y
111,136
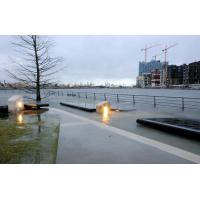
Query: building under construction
x,y
151,74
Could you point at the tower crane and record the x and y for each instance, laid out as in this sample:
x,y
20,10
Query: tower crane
x,y
146,48
155,56
165,50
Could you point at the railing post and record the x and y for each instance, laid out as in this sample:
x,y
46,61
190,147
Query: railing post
x,y
79,95
154,101
104,96
133,99
183,106
94,96
86,95
117,98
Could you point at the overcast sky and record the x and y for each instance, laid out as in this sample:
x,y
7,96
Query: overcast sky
x,y
113,59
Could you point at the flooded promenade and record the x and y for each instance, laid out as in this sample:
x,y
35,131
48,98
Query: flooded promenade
x,y
86,138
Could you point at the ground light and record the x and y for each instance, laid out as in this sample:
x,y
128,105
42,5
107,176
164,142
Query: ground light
x,y
20,105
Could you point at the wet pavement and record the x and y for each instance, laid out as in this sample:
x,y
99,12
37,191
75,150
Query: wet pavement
x,y
86,139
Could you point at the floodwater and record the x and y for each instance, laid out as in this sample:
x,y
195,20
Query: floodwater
x,y
5,94
29,138
60,96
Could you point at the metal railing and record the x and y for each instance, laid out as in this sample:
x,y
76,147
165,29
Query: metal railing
x,y
162,101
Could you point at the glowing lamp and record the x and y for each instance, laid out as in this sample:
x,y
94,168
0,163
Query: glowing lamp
x,y
100,106
15,104
104,108
105,114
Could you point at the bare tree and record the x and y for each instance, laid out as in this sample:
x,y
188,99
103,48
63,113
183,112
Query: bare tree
x,y
35,67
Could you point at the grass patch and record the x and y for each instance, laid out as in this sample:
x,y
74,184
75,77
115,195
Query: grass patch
x,y
35,141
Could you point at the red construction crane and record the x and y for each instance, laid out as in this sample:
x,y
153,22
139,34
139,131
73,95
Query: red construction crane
x,y
165,81
146,48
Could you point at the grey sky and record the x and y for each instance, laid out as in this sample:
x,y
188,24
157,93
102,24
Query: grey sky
x,y
113,59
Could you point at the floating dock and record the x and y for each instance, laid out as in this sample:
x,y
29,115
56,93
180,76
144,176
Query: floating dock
x,y
81,106
91,107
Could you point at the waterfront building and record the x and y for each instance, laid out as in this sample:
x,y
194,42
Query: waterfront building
x,y
140,81
155,78
149,67
144,80
147,79
175,74
194,73
152,74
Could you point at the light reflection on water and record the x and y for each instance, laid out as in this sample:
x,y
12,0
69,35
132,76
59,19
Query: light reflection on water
x,y
30,138
20,118
106,114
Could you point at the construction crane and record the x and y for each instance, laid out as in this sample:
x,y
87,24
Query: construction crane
x,y
146,48
155,56
165,50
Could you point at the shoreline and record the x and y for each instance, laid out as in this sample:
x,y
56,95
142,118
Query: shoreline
x,y
74,88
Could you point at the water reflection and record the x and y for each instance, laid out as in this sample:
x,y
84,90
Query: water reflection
x,y
20,118
106,114
31,137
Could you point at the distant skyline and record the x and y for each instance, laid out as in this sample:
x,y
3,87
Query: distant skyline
x,y
114,59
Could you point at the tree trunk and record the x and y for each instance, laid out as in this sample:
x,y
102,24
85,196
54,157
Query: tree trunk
x,y
38,96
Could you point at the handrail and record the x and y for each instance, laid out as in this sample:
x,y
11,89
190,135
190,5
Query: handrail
x,y
156,100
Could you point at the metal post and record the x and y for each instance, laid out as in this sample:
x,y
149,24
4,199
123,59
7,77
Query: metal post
x,y
86,95
133,99
117,98
154,100
104,96
79,95
94,96
183,106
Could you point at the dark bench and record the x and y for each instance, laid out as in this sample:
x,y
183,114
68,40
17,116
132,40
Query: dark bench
x,y
35,106
3,109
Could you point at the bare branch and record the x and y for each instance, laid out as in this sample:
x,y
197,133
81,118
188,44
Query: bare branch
x,y
36,66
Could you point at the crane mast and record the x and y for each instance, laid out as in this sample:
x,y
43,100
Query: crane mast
x,y
165,51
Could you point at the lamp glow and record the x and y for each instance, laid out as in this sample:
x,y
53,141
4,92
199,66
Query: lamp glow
x,y
19,104
20,118
105,113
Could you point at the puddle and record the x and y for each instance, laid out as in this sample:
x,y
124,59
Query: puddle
x,y
29,138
